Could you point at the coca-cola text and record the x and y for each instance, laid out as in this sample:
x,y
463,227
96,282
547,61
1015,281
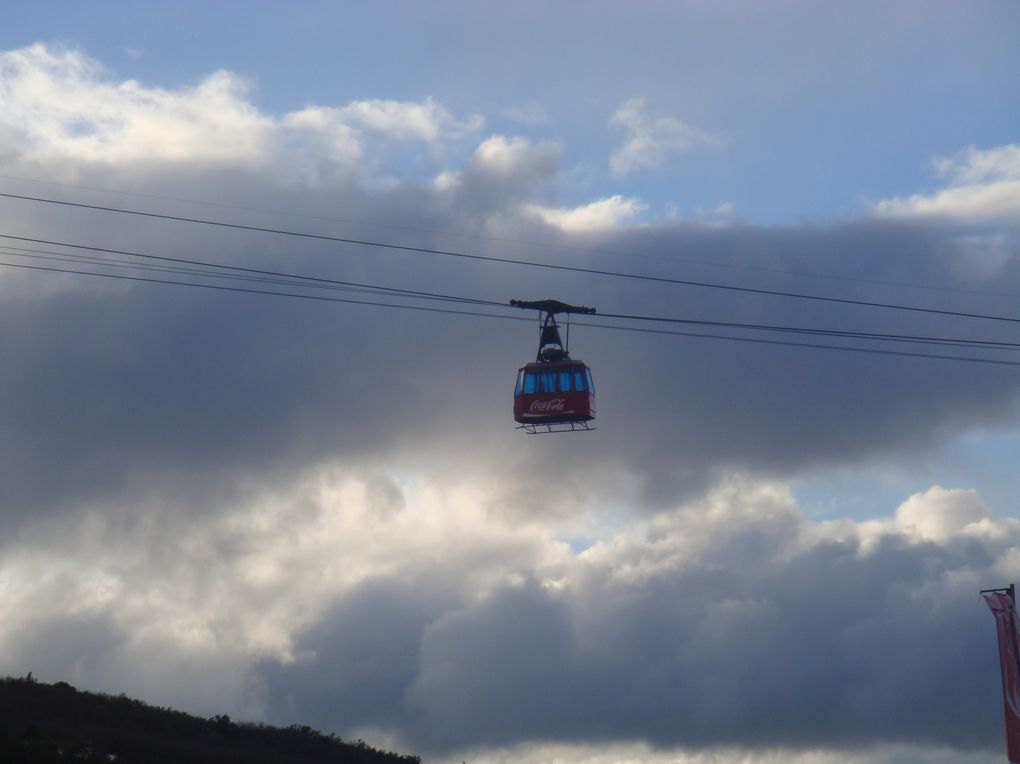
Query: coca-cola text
x,y
550,405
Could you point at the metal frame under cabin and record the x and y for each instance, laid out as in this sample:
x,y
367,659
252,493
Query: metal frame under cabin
x,y
537,428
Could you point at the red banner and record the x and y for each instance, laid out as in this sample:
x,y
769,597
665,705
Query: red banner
x,y
1008,626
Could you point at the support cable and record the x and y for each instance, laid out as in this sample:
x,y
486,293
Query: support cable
x,y
513,261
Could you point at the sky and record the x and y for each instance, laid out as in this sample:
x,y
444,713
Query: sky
x,y
242,493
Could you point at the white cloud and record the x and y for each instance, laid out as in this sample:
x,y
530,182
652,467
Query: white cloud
x,y
501,167
652,140
501,175
57,103
982,186
320,135
939,514
638,753
64,105
599,215
517,166
973,165
446,181
503,155
426,122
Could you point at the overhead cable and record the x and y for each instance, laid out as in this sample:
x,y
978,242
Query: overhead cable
x,y
323,298
241,269
513,261
522,242
223,271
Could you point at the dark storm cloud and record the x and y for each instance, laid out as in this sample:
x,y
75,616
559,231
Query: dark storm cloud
x,y
132,385
754,636
116,390
777,409
354,662
95,649
65,646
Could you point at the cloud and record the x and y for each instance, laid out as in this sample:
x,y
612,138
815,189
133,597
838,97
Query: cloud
x,y
975,166
320,512
982,186
500,155
162,385
632,753
727,625
652,140
352,134
612,212
730,622
938,514
499,178
63,104
427,121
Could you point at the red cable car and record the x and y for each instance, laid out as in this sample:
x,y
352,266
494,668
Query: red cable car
x,y
555,393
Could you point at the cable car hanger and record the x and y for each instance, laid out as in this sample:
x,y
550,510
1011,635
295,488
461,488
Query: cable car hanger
x,y
554,393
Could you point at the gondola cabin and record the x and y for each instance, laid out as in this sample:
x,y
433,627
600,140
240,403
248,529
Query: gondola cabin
x,y
554,393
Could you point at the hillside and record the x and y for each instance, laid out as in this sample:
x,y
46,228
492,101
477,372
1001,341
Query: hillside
x,y
57,723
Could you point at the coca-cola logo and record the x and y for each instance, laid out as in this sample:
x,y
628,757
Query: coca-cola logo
x,y
553,404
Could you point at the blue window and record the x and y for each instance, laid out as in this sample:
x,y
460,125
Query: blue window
x,y
571,379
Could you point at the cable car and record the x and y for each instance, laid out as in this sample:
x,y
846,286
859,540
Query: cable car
x,y
554,393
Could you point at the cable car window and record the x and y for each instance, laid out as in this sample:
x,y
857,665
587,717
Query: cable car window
x,y
591,385
520,383
564,381
547,382
529,382
579,382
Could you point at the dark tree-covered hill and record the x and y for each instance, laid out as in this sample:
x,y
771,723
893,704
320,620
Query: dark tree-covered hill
x,y
57,723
